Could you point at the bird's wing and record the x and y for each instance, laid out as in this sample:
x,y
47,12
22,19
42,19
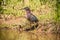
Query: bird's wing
x,y
33,18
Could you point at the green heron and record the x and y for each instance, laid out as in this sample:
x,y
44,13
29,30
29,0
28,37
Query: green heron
x,y
30,17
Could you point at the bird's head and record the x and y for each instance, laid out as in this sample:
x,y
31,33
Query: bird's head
x,y
27,9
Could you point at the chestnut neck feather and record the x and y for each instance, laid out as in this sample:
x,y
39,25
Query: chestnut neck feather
x,y
28,13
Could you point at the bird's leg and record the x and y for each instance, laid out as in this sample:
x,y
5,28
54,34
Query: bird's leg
x,y
33,24
30,24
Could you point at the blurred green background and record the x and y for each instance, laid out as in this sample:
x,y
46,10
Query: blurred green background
x,y
45,10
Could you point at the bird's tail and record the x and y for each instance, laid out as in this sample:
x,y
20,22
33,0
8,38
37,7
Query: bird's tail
x,y
32,28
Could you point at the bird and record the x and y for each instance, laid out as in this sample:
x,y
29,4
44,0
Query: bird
x,y
31,18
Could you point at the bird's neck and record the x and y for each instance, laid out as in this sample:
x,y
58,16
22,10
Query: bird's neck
x,y
28,13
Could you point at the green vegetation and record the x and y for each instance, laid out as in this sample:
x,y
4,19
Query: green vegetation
x,y
44,7
47,11
58,10
1,9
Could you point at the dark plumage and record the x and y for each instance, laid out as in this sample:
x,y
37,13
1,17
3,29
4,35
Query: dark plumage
x,y
32,18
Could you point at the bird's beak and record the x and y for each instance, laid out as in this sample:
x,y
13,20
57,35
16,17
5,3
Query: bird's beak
x,y
22,9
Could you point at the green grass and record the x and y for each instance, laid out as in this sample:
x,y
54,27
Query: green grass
x,y
43,9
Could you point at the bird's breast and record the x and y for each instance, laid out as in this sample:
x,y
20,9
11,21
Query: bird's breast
x,y
28,15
